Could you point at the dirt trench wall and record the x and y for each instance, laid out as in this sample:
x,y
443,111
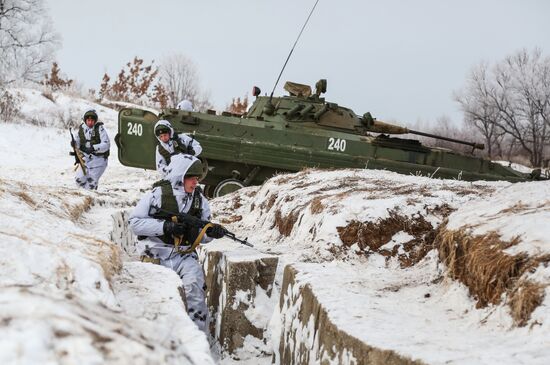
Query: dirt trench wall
x,y
239,287
309,337
239,297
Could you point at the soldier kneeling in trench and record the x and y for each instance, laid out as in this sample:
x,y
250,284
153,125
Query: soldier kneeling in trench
x,y
168,237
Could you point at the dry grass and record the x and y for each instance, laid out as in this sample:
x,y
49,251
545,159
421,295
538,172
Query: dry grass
x,y
107,255
110,261
76,211
443,210
268,203
285,224
489,273
237,202
524,299
316,205
480,264
26,198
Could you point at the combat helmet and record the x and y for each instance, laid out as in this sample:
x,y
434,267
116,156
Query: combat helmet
x,y
90,113
163,126
196,169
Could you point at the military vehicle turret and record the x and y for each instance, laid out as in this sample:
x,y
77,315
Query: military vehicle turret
x,y
289,133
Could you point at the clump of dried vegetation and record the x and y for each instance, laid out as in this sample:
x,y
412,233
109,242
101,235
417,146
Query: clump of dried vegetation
x,y
26,198
285,223
107,255
76,211
372,236
490,273
479,262
316,205
268,203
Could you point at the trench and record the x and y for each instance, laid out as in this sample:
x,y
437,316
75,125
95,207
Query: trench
x,y
262,312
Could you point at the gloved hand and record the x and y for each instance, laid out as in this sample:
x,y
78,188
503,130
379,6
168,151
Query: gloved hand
x,y
216,231
190,150
73,144
87,149
173,228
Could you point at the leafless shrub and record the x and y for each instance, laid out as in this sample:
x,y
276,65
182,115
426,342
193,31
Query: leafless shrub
x,y
68,118
10,103
48,95
37,122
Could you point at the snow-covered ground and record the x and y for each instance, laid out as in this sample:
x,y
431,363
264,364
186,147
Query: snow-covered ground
x,y
357,237
67,295
384,291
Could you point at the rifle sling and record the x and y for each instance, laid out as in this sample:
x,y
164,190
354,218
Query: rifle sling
x,y
178,239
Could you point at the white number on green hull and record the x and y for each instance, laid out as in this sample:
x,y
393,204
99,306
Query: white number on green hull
x,y
135,129
336,144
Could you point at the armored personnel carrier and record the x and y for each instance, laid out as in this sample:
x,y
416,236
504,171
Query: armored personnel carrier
x,y
289,133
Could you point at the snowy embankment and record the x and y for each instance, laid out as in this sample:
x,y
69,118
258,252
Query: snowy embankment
x,y
373,247
68,296
405,267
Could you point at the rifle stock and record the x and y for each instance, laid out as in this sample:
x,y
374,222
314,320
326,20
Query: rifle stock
x,y
78,160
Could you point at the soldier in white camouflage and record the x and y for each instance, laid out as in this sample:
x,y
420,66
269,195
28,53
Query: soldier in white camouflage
x,y
93,141
171,144
164,241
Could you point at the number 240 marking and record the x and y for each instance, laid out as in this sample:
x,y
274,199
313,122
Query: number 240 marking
x,y
135,129
336,144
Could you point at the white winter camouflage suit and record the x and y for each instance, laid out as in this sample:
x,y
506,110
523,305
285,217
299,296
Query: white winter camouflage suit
x,y
95,165
187,265
183,139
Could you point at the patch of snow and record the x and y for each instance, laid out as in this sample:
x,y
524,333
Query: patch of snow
x,y
519,210
67,296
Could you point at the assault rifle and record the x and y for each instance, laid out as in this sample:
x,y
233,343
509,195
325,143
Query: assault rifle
x,y
78,159
195,222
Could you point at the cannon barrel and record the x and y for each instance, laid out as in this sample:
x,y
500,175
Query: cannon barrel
x,y
479,146
376,126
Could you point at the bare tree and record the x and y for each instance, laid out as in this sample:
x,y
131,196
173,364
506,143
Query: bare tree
x,y
179,77
512,100
479,112
445,127
27,41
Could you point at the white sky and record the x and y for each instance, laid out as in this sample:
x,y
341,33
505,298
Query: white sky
x,y
399,59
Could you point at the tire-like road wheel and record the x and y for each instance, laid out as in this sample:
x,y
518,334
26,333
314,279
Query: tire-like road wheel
x,y
227,186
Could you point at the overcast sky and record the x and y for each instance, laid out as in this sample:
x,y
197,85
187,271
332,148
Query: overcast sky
x,y
401,60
